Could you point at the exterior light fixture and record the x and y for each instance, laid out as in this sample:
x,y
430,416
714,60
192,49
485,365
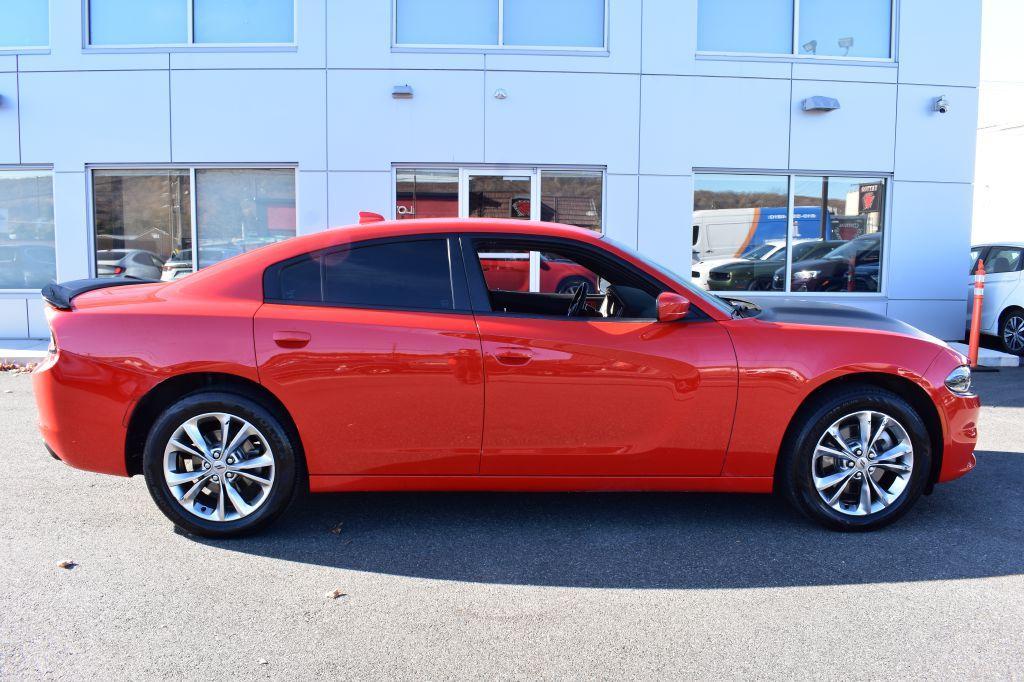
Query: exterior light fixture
x,y
401,92
811,46
846,44
819,103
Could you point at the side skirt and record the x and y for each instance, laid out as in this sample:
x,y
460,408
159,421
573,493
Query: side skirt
x,y
717,484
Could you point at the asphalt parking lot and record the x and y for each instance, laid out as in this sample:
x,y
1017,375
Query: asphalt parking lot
x,y
499,586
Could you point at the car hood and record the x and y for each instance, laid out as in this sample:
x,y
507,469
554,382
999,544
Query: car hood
x,y
835,315
706,265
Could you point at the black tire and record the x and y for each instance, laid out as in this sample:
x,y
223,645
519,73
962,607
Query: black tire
x,y
1010,320
569,284
759,284
795,465
288,469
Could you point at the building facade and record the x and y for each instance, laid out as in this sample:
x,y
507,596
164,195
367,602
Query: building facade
x,y
152,138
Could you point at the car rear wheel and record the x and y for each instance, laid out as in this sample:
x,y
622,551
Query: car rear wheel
x,y
858,461
1011,331
220,465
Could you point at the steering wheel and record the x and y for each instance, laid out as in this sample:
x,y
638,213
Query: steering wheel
x,y
579,301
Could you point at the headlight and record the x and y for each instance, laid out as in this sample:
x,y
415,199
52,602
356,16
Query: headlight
x,y
959,380
806,274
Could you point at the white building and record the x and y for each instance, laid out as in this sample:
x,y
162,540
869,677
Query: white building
x,y
153,126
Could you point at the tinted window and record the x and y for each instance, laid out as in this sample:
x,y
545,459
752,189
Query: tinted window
x,y
1002,259
300,280
412,274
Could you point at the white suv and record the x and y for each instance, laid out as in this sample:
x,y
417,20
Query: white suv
x,y
1002,312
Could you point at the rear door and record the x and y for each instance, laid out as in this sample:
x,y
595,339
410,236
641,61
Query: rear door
x,y
373,350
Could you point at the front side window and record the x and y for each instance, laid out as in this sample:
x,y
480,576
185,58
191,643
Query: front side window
x,y
544,279
578,24
213,22
1002,259
404,275
834,29
27,255
147,222
24,24
836,235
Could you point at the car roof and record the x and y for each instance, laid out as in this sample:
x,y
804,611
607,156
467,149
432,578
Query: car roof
x,y
1017,245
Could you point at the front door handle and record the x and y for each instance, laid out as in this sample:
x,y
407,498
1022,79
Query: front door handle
x,y
515,357
290,339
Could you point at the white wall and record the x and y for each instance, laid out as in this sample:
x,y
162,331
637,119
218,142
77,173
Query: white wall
x,y
649,110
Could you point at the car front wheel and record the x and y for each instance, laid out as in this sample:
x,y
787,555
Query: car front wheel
x,y
220,465
858,461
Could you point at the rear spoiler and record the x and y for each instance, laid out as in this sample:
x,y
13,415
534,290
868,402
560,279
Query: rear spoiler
x,y
61,295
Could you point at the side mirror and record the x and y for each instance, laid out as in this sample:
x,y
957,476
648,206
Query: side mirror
x,y
672,306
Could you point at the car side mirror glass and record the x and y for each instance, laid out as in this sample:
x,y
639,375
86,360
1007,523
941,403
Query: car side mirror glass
x,y
672,306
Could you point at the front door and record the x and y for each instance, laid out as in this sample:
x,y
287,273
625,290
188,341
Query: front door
x,y
612,392
374,353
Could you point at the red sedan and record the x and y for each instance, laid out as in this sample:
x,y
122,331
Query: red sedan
x,y
380,357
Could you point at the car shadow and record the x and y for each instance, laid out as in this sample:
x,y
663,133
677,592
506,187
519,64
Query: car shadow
x,y
967,529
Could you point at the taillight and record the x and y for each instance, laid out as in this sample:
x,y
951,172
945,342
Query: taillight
x,y
118,270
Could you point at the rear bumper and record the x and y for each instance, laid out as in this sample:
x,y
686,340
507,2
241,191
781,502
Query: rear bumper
x,y
81,407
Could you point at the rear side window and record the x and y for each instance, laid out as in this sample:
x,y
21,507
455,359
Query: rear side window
x,y
404,275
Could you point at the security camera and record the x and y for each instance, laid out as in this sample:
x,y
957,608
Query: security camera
x,y
941,105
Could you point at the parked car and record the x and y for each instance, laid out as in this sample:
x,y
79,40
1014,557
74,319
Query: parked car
x,y
511,272
1002,311
763,252
854,266
26,265
180,265
756,275
128,263
378,357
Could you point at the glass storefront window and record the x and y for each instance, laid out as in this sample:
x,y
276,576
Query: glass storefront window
x,y
121,23
27,256
568,23
835,243
139,214
425,193
238,210
24,23
846,28
752,26
144,218
499,196
243,21
572,197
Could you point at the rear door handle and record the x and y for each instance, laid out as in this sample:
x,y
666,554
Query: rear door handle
x,y
289,339
513,356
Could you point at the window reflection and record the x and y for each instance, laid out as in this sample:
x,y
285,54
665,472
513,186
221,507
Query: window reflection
x,y
571,197
425,193
27,256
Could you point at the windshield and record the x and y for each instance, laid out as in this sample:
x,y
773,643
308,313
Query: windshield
x,y
759,252
855,248
669,273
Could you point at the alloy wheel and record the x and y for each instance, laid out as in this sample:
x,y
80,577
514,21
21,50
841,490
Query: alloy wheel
x,y
862,464
219,467
1013,333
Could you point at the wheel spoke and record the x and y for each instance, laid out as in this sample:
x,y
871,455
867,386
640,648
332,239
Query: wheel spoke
x,y
864,418
839,491
826,482
240,438
254,463
864,507
178,445
838,438
882,495
241,506
183,477
894,467
262,482
220,500
191,427
188,498
831,452
892,453
225,426
878,432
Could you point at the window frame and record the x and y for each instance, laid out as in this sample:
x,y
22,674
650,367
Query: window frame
x,y
500,47
536,173
39,169
456,275
90,198
791,177
190,45
33,49
797,55
478,291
